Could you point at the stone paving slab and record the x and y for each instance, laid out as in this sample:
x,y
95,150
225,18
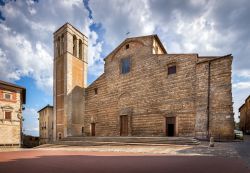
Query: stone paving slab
x,y
220,149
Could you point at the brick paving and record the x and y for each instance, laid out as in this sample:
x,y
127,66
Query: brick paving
x,y
224,157
49,161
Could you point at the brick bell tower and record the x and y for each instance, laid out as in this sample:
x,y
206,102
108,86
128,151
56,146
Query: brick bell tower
x,y
70,80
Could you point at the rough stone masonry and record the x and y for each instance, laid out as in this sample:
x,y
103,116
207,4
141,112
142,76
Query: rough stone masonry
x,y
144,91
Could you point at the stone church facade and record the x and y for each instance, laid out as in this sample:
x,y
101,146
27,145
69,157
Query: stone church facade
x,y
144,91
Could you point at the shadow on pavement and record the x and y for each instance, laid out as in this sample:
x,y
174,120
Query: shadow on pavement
x,y
80,163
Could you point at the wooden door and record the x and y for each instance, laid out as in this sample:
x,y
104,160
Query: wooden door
x,y
92,129
124,125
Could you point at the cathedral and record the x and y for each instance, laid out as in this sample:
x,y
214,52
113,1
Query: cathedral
x,y
143,91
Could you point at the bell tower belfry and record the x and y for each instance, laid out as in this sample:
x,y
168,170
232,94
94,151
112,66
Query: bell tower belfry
x,y
70,81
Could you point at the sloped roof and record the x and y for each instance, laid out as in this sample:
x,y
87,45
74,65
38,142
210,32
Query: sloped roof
x,y
5,84
134,38
47,106
241,107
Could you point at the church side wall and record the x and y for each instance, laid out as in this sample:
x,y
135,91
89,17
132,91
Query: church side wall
x,y
221,110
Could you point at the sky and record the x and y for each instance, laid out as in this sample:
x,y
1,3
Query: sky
x,y
207,27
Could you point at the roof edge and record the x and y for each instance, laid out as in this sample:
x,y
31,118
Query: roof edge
x,y
47,106
214,59
23,89
67,23
131,38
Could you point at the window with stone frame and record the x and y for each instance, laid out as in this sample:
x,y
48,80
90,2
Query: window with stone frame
x,y
7,96
125,65
171,69
7,115
127,46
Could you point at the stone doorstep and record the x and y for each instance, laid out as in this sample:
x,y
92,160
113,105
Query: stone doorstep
x,y
129,138
146,141
91,143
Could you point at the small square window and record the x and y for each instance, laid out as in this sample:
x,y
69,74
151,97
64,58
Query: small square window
x,y
7,96
96,91
171,70
127,46
8,115
125,65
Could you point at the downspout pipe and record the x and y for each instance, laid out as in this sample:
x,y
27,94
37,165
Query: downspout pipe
x,y
208,98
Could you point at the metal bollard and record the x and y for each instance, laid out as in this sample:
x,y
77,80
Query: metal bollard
x,y
211,144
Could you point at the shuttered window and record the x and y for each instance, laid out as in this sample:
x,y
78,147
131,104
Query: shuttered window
x,y
8,115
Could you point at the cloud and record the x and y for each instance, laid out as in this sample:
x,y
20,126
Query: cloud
x,y
207,27
31,122
243,73
120,17
26,47
242,85
32,130
20,58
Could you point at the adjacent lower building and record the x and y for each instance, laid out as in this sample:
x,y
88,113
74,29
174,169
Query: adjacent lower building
x,y
144,91
30,141
12,98
245,116
46,124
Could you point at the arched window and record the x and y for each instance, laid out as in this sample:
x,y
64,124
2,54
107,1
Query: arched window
x,y
74,45
58,46
80,49
62,44
59,136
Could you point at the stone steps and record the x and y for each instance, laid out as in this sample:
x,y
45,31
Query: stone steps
x,y
118,141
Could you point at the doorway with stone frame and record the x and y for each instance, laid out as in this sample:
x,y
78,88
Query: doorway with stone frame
x,y
92,129
170,126
124,127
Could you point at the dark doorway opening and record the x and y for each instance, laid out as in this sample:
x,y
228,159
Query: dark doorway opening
x,y
92,129
170,126
170,130
124,125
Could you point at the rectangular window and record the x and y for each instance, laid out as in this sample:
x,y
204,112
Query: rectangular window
x,y
125,65
96,91
8,115
171,70
7,96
